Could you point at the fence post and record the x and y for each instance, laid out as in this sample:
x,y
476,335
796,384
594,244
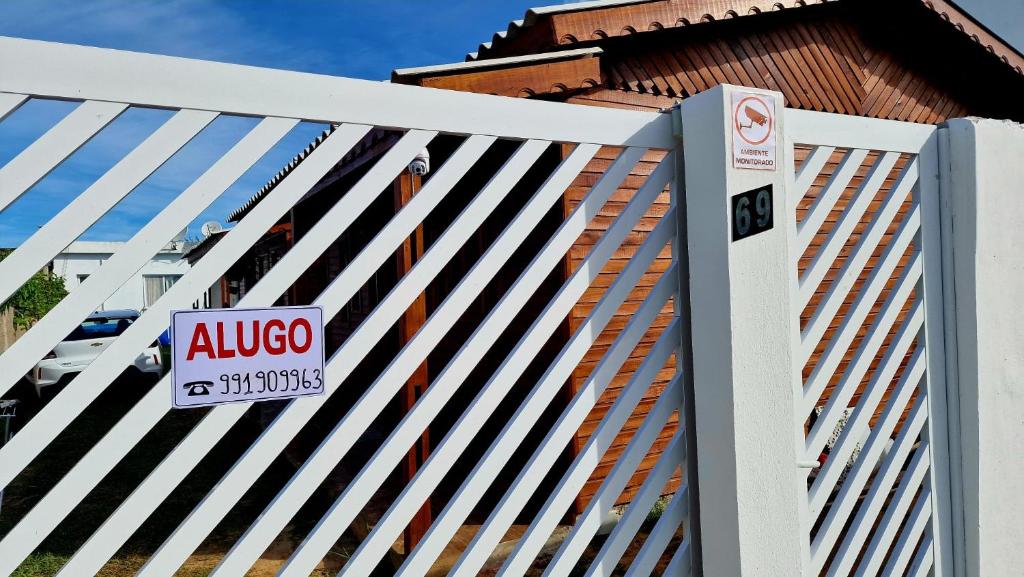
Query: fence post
x,y
743,345
981,175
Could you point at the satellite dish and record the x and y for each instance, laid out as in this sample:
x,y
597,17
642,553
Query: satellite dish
x,y
211,228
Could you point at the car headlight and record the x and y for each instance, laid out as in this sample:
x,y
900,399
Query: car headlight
x,y
50,355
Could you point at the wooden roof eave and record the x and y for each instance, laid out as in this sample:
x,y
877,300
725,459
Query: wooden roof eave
x,y
518,79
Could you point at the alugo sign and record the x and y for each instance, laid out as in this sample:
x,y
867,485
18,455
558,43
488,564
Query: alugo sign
x,y
243,355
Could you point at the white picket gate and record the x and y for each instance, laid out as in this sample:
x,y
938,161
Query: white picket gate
x,y
868,261
108,83
823,336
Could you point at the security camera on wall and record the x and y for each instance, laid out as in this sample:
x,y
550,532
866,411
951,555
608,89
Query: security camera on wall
x,y
421,164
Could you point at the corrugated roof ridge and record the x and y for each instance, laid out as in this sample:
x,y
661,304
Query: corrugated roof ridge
x,y
977,32
532,14
239,212
946,9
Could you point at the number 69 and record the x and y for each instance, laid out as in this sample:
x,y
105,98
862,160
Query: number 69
x,y
762,206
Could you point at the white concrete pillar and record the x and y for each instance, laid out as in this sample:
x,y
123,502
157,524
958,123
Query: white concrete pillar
x,y
744,335
983,189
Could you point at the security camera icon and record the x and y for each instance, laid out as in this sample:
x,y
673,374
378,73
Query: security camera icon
x,y
754,117
198,388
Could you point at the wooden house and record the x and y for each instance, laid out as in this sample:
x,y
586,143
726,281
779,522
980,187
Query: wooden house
x,y
914,60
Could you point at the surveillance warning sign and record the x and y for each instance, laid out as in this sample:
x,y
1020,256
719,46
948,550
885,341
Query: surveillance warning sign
x,y
753,131
244,355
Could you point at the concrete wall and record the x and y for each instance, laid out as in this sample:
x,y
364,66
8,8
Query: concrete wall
x,y
985,191
85,258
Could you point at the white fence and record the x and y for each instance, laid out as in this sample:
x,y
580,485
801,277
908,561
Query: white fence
x,y
821,351
108,83
813,393
867,244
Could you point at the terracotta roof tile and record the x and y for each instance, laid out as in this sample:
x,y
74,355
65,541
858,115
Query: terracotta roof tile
x,y
568,24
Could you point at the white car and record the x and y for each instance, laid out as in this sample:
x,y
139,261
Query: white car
x,y
72,355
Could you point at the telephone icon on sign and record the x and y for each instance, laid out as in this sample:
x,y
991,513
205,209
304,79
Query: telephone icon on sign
x,y
198,388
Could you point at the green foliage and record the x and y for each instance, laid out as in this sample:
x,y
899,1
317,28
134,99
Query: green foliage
x,y
35,298
40,565
658,509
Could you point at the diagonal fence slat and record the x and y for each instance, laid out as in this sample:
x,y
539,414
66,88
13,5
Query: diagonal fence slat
x,y
103,456
51,149
809,171
219,501
664,529
827,198
339,440
197,93
569,486
500,316
867,244
865,356
84,388
55,416
916,525
870,454
589,523
315,546
625,530
560,434
837,515
856,428
855,317
875,389
247,469
925,557
849,551
851,217
680,564
642,317
895,516
156,233
10,102
95,201
515,363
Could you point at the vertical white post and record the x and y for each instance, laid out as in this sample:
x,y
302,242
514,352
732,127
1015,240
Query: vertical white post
x,y
743,348
684,357
982,174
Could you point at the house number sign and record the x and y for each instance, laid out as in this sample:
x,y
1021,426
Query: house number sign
x,y
751,212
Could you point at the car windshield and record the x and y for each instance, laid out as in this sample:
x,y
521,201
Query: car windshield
x,y
98,328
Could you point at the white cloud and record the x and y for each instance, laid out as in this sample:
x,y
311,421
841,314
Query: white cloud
x,y
189,28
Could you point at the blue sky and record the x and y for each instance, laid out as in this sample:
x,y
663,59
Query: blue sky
x,y
352,38
355,38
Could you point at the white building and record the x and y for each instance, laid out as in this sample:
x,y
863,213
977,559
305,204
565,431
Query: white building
x,y
83,258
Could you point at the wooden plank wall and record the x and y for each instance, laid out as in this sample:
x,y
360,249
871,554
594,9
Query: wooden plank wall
x,y
825,66
577,253
818,63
